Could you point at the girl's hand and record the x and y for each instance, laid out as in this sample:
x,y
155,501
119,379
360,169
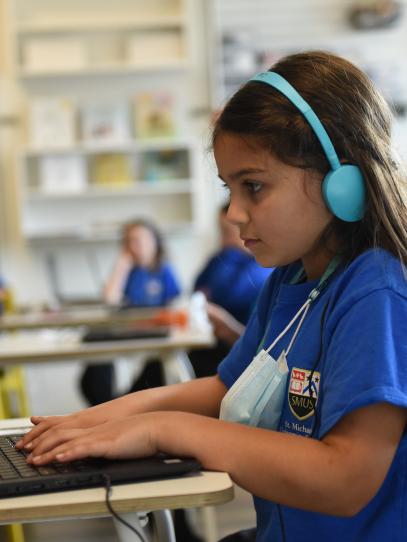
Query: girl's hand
x,y
125,260
225,326
118,439
83,419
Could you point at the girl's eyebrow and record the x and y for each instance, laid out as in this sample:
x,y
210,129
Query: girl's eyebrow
x,y
242,172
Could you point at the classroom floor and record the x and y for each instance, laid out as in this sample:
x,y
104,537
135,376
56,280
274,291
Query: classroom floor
x,y
62,379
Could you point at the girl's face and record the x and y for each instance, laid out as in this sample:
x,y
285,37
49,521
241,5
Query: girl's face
x,y
141,244
278,208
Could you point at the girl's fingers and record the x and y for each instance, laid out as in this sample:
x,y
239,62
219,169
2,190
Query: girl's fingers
x,y
78,448
33,434
51,441
37,419
42,425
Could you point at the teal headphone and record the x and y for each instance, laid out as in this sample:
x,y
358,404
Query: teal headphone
x,y
343,188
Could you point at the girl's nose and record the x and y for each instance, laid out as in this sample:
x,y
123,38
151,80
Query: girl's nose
x,y
236,213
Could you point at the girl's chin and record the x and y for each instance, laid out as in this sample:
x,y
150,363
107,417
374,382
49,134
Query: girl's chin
x,y
264,260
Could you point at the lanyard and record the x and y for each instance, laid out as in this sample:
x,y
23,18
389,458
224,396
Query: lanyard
x,y
303,311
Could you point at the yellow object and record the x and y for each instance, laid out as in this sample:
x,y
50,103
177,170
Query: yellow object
x,y
14,533
13,401
8,301
111,170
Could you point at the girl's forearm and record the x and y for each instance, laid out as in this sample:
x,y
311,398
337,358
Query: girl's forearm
x,y
260,461
200,396
322,476
113,290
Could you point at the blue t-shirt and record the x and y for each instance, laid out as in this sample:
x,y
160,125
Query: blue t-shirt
x,y
233,279
151,288
363,361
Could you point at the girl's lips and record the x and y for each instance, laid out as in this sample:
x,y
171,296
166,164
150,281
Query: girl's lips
x,y
251,243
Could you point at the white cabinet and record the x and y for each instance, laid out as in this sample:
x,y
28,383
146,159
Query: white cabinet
x,y
107,135
100,37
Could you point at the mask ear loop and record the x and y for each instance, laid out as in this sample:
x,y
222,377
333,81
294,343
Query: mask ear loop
x,y
297,329
301,312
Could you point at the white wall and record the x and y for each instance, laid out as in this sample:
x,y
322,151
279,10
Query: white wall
x,y
283,26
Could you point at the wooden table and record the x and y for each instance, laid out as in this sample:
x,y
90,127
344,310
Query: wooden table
x,y
189,491
86,316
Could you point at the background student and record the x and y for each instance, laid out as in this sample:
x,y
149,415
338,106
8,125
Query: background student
x,y
231,281
140,278
331,465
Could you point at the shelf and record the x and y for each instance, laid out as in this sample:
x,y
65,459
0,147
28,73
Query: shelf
x,y
137,53
105,70
140,145
76,236
53,26
141,188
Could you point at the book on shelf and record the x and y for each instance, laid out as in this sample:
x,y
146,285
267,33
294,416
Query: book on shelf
x,y
55,54
62,174
111,170
52,122
154,48
154,115
105,123
164,165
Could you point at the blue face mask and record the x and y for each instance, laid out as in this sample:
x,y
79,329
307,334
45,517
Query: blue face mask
x,y
257,396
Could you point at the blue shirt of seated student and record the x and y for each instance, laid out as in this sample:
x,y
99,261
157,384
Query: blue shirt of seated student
x,y
151,288
232,279
363,361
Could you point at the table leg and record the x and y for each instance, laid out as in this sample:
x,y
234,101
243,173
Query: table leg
x,y
162,522
138,521
164,526
209,523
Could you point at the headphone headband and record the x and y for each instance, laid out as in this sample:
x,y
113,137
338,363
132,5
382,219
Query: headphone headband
x,y
279,83
343,188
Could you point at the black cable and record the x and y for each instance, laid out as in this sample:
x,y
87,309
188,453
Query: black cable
x,y
282,526
108,487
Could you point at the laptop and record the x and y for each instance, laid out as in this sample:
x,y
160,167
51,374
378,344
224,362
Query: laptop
x,y
123,332
17,478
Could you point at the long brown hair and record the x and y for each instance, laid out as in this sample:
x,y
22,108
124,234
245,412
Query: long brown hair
x,y
358,121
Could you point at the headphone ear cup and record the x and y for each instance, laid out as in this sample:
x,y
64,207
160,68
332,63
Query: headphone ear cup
x,y
344,193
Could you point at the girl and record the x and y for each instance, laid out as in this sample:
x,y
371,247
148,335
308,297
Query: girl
x,y
140,278
333,466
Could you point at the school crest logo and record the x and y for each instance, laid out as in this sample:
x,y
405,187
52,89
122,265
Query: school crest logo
x,y
303,391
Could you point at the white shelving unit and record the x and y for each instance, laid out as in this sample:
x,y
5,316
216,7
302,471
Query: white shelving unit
x,y
87,51
98,37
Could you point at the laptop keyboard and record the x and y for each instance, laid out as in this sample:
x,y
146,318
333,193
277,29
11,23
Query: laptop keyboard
x,y
13,463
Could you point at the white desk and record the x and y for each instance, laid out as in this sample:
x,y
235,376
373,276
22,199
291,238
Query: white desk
x,y
190,491
42,346
53,345
33,346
